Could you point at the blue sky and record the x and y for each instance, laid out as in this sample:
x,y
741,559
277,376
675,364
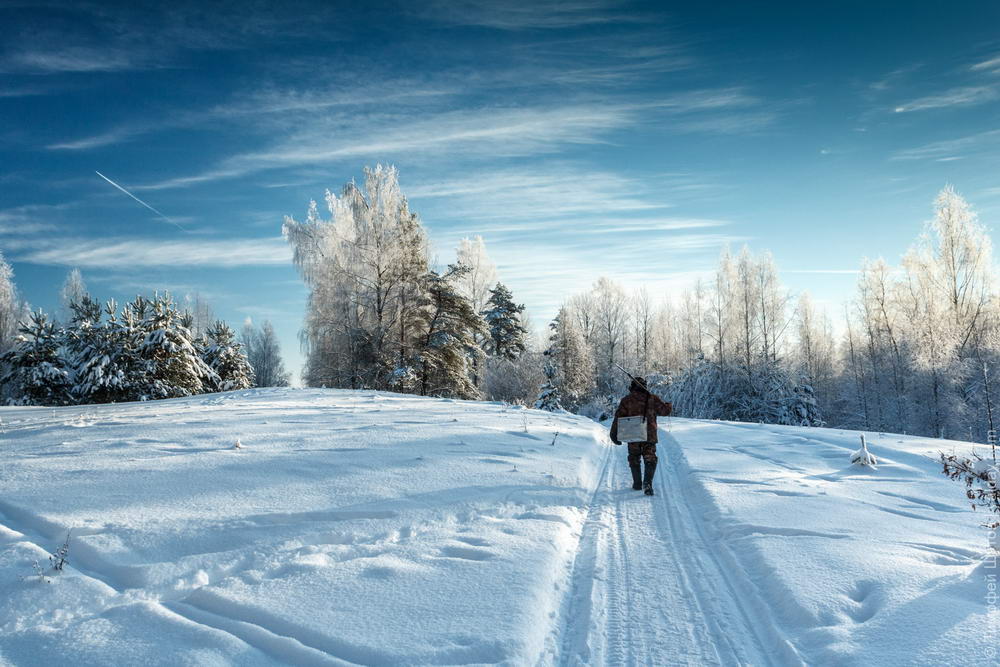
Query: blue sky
x,y
580,138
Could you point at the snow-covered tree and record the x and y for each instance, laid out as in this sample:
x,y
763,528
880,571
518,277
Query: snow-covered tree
x,y
570,360
264,354
13,312
224,355
175,367
449,327
104,351
73,290
365,269
503,317
548,395
36,372
476,283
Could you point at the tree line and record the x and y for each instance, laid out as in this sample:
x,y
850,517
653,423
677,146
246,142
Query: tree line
x,y
149,348
915,350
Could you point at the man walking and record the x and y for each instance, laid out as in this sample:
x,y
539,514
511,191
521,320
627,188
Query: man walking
x,y
635,423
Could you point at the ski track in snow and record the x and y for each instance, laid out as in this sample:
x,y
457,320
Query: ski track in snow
x,y
648,587
472,509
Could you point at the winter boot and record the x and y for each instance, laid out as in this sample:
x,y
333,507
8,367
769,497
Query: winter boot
x,y
647,482
636,477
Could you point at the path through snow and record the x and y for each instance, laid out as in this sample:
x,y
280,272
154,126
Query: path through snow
x,y
649,588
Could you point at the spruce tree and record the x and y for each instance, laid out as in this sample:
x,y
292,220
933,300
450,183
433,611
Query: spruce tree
x,y
548,396
36,371
103,354
175,367
503,317
225,356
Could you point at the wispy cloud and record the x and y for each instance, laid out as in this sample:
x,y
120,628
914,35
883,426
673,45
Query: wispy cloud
x,y
893,78
950,147
956,97
109,138
988,65
130,254
531,15
30,219
497,132
545,192
74,59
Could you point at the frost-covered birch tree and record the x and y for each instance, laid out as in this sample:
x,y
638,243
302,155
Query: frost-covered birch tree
x,y
363,266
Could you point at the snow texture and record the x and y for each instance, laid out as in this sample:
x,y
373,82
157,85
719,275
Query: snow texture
x,y
375,528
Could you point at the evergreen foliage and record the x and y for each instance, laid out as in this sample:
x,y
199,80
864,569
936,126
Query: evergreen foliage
x,y
174,367
225,357
104,353
449,327
37,372
503,317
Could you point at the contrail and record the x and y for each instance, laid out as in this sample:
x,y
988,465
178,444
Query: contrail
x,y
140,201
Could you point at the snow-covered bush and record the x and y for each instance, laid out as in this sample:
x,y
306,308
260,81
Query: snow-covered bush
x,y
762,393
37,373
225,356
863,457
514,381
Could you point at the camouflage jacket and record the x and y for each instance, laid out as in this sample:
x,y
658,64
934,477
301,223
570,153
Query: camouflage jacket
x,y
633,405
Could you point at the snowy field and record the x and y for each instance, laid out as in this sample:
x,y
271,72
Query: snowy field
x,y
370,528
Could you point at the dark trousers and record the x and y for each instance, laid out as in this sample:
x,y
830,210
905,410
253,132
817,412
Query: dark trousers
x,y
641,450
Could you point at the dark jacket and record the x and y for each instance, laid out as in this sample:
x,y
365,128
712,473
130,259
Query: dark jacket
x,y
633,405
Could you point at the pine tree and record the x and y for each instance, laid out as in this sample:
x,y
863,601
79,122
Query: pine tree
x,y
224,355
36,372
104,354
548,396
503,317
176,368
448,328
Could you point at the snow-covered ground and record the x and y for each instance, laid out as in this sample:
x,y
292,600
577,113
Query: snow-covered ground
x,y
369,528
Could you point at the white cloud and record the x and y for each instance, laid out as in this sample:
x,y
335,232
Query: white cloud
x,y
956,97
529,16
950,147
496,132
128,254
991,64
73,59
114,136
481,131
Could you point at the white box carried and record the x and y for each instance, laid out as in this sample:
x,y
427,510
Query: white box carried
x,y
632,429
